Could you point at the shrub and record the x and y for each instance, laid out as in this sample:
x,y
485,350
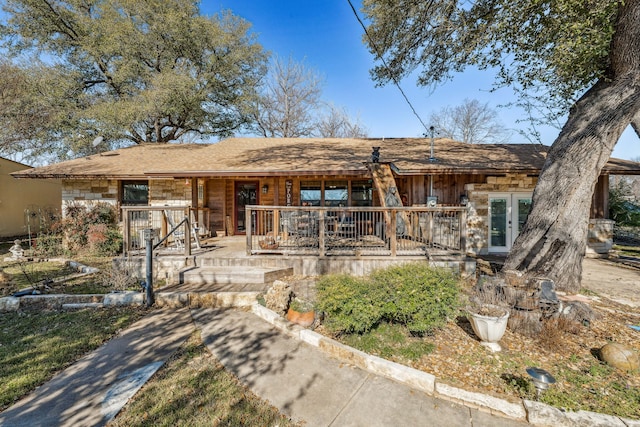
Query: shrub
x,y
84,227
621,209
48,245
418,296
414,295
348,304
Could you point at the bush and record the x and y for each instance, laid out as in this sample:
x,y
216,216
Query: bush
x,y
621,209
348,303
414,295
92,228
418,296
48,245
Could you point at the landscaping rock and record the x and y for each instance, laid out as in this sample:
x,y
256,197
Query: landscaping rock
x,y
9,304
278,297
578,312
124,298
620,356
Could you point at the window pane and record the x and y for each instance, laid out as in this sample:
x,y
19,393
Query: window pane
x,y
135,193
310,193
524,207
498,220
361,193
336,193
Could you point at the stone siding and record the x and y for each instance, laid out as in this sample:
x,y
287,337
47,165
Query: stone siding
x,y
89,192
170,192
478,219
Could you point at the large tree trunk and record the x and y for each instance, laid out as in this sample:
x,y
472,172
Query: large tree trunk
x,y
553,241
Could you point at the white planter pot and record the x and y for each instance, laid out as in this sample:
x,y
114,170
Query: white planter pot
x,y
490,329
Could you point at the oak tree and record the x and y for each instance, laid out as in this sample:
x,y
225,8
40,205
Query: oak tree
x,y
138,71
583,56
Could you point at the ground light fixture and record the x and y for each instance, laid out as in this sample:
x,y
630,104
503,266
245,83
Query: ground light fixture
x,y
541,379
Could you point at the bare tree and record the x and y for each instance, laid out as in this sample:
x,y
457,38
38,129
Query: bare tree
x,y
288,101
336,123
470,122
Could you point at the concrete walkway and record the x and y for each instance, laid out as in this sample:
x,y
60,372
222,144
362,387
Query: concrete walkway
x,y
93,390
308,385
301,380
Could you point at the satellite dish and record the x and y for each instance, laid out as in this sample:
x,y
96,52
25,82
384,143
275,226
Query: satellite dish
x,y
97,141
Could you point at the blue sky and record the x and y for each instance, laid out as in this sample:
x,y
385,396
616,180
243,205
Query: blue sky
x,y
327,37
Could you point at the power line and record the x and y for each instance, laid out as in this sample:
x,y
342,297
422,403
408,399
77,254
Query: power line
x,y
384,63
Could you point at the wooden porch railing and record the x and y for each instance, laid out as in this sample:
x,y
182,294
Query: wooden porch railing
x,y
163,219
356,231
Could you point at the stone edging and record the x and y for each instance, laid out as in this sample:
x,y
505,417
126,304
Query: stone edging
x,y
534,412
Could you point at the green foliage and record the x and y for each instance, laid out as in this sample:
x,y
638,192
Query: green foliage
x,y
597,387
133,71
553,50
621,209
390,341
348,302
49,244
91,228
414,295
301,306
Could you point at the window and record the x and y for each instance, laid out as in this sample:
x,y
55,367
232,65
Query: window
x,y
336,193
310,193
361,193
135,193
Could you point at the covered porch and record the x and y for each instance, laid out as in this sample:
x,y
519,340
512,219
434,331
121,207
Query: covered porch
x,y
299,241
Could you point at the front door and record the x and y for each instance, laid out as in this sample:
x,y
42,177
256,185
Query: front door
x,y
507,214
246,193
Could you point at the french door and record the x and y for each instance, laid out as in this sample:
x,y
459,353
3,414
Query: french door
x,y
507,214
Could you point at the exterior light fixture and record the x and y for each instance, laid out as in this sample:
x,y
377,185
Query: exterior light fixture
x,y
265,189
541,379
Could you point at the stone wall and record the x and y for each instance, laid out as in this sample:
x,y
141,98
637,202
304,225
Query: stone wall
x,y
477,221
171,192
88,192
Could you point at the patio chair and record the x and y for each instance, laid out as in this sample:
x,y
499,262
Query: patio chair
x,y
178,234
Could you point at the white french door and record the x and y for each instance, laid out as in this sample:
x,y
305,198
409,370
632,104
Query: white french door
x,y
507,214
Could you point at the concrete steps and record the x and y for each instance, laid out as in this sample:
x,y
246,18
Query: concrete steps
x,y
236,276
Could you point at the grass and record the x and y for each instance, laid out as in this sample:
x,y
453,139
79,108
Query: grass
x,y
390,341
628,250
35,345
193,389
27,273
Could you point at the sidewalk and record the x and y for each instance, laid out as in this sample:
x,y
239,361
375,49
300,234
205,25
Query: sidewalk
x,y
93,390
308,385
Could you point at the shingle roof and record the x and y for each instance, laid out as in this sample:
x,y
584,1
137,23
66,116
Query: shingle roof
x,y
309,156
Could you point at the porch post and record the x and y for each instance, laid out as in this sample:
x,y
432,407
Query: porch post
x,y
126,246
148,237
463,230
247,221
187,234
393,233
321,232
